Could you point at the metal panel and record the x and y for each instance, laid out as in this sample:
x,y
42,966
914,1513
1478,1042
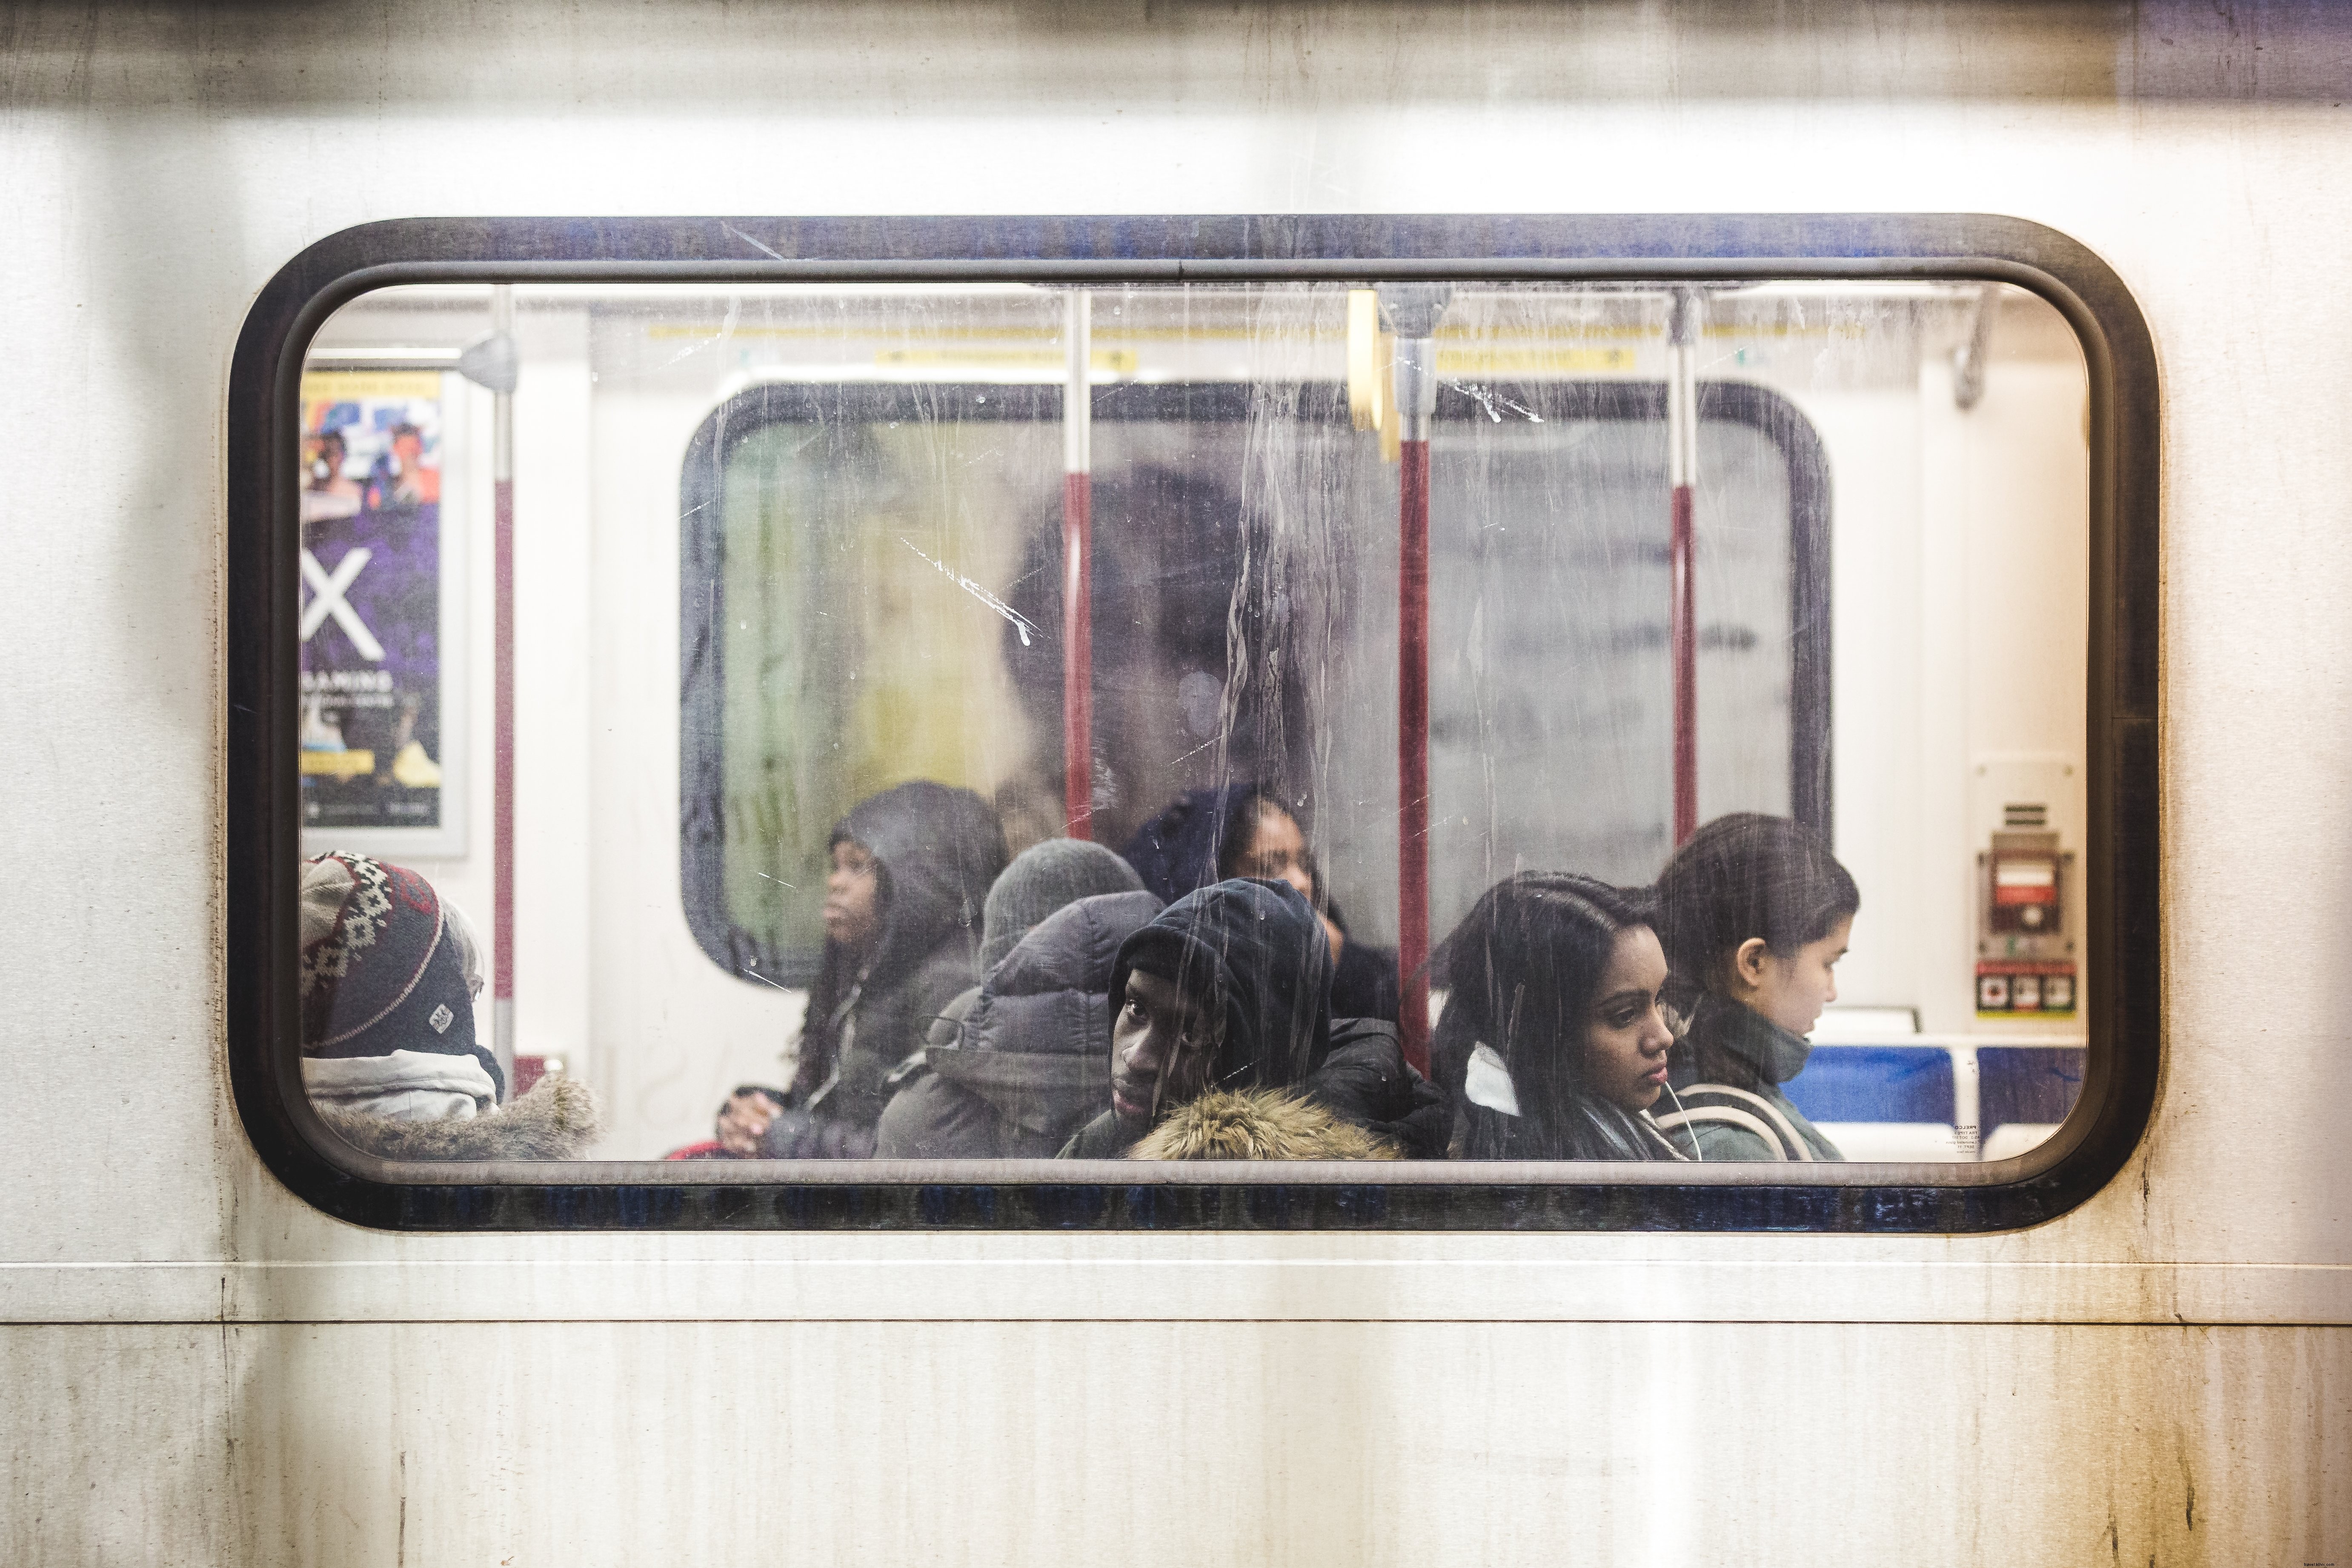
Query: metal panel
x,y
1846,1446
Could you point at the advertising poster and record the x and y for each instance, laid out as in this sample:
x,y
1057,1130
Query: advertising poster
x,y
376,614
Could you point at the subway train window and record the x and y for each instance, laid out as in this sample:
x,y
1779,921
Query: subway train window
x,y
970,730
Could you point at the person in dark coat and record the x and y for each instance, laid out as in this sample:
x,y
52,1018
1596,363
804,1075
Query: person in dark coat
x,y
1207,836
1754,912
1041,879
1022,1070
1229,988
933,1114
1552,1040
911,866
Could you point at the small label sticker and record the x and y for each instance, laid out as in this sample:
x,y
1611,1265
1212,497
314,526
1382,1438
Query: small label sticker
x,y
442,1018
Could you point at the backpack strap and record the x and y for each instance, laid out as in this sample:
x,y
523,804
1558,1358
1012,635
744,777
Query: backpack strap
x,y
1723,1105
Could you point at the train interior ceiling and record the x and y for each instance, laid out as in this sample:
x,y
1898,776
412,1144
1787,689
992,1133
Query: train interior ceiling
x,y
779,547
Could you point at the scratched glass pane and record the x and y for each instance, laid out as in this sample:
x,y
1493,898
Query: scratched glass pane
x,y
669,591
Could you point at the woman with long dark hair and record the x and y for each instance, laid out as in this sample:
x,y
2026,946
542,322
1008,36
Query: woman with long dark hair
x,y
1754,912
1552,1040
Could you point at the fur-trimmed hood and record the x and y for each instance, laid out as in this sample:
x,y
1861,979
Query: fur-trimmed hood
x,y
1258,1124
557,1120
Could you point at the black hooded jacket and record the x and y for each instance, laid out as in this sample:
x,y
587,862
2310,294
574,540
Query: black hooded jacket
x,y
1025,1069
1257,948
940,849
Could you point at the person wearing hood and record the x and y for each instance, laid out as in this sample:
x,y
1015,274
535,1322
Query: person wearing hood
x,y
1207,836
902,921
1754,912
1015,1065
1228,989
390,1058
1553,1036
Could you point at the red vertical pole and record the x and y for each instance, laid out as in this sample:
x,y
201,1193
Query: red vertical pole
x,y
1412,747
1077,570
1682,469
1411,311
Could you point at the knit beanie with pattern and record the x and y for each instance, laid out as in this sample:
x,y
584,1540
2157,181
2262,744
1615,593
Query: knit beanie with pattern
x,y
386,966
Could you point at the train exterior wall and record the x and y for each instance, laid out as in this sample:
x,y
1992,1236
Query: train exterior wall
x,y
199,1368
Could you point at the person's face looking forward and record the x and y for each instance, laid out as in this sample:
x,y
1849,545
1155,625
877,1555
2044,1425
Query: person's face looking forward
x,y
1625,1036
1276,850
1162,1046
853,895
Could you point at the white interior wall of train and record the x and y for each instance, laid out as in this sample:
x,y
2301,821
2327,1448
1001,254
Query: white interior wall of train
x,y
202,1367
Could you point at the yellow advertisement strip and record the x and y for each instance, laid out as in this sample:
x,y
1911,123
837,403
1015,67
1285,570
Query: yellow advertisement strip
x,y
1532,361
336,386
345,766
1117,361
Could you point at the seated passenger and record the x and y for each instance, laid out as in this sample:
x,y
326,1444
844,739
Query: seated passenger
x,y
1754,912
390,1058
911,866
1014,1066
1551,1023
1228,989
1048,875
1242,830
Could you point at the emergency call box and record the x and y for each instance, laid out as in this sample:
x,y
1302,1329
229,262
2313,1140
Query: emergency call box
x,y
2027,812
2024,896
2025,951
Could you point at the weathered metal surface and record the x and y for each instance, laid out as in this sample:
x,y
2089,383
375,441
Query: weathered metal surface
x,y
1176,1444
161,167
1298,1279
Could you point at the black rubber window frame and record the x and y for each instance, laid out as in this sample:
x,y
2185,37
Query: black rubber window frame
x,y
2121,864
701,508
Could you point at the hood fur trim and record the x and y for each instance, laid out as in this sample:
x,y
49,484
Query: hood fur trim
x,y
557,1120
1258,1125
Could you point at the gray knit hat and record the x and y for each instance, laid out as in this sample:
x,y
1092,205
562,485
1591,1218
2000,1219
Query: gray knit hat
x,y
1043,878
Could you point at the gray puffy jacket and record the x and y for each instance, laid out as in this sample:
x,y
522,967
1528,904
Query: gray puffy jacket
x,y
1030,1063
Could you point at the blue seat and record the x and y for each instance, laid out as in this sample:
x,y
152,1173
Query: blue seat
x,y
1874,1083
2026,1083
